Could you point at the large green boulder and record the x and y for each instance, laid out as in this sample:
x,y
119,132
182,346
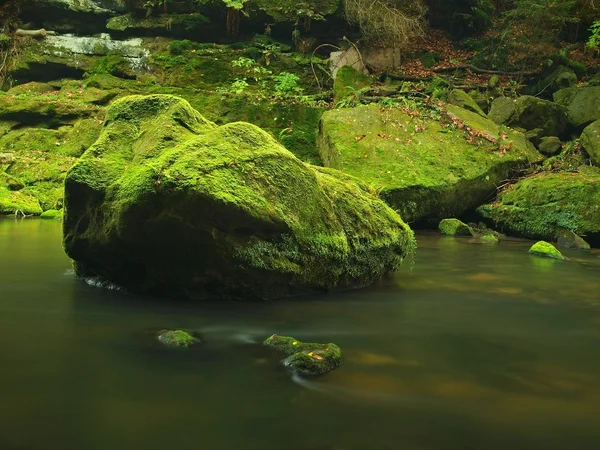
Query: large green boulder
x,y
166,202
422,166
590,139
540,206
583,104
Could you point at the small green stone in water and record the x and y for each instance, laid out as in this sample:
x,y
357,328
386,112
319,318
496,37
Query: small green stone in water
x,y
177,338
543,248
454,227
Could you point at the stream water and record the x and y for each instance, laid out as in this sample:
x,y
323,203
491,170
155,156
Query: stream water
x,y
477,348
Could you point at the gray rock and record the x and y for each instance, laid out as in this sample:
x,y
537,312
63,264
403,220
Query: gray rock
x,y
567,239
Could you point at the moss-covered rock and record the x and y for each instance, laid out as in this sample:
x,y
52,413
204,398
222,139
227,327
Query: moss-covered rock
x,y
309,359
545,249
583,104
533,112
568,239
560,78
454,227
465,101
290,10
177,338
539,206
550,145
167,202
502,111
12,202
158,25
423,167
52,214
348,81
590,139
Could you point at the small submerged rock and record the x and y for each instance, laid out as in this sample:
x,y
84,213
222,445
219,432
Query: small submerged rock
x,y
543,248
304,358
177,338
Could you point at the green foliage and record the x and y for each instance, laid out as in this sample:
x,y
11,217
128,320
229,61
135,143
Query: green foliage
x,y
286,84
462,17
594,39
179,47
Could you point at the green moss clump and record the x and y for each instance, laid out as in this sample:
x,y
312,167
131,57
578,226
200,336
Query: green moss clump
x,y
309,359
52,214
266,224
539,206
12,202
454,227
488,238
347,82
177,338
543,248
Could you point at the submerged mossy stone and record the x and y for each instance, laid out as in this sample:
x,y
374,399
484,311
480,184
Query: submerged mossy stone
x,y
454,227
590,139
309,359
543,248
421,167
550,145
568,239
539,206
488,238
177,338
52,214
167,202
465,101
347,81
583,104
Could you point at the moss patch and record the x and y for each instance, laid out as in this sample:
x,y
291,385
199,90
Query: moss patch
x,y
52,214
177,338
545,249
454,227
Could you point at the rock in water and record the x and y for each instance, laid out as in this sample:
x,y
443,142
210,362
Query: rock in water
x,y
309,359
543,248
166,202
177,338
454,227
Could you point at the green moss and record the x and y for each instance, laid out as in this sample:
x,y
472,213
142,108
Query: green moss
x,y
543,248
162,23
290,10
465,101
454,227
177,338
52,214
489,238
267,224
539,206
348,81
423,166
309,359
12,202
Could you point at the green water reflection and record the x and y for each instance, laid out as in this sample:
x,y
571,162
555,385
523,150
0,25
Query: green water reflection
x,y
479,347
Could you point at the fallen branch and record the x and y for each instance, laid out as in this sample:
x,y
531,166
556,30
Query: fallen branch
x,y
472,68
41,33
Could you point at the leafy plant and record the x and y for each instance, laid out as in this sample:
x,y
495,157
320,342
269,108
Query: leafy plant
x,y
243,62
286,84
594,39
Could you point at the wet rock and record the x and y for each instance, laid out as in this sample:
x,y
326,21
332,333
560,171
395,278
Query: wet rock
x,y
568,239
550,145
590,139
545,249
265,224
454,227
177,338
465,101
309,359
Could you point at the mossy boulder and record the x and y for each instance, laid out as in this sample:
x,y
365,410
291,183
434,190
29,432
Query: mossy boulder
x,y
568,239
348,81
454,227
503,110
590,139
177,338
422,166
172,24
290,10
539,206
308,359
550,145
583,104
461,98
167,202
545,249
52,214
560,78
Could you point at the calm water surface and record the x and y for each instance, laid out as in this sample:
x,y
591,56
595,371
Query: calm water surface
x,y
479,348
